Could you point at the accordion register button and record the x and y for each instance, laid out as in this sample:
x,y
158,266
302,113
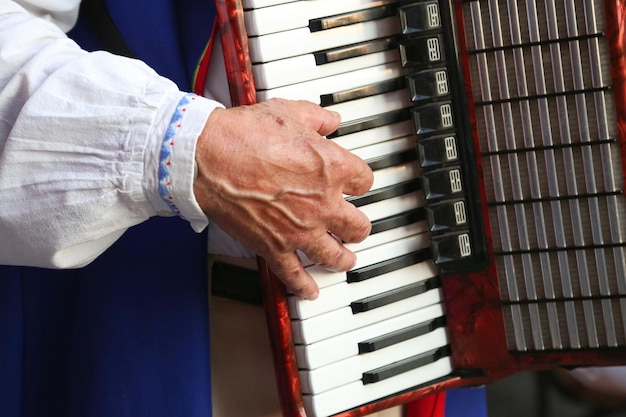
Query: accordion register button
x,y
432,117
446,215
422,51
451,248
443,182
437,150
428,84
419,17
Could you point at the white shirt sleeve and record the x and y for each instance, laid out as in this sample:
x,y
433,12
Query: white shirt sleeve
x,y
62,13
90,145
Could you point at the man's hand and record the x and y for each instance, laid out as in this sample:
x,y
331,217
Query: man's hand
x,y
269,179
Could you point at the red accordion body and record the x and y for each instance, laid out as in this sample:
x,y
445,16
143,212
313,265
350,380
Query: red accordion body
x,y
534,299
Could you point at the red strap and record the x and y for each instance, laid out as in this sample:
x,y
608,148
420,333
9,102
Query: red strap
x,y
200,75
431,406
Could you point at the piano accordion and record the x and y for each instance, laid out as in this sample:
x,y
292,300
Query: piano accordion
x,y
495,130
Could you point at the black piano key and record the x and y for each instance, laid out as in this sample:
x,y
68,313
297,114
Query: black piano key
x,y
442,182
433,118
385,193
428,84
437,150
356,50
400,367
399,220
446,215
419,17
371,122
350,18
392,296
399,336
388,265
362,92
392,160
422,51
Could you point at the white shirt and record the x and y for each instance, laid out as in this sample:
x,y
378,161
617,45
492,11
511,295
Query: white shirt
x,y
90,143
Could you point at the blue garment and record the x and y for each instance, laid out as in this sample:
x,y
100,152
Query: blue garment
x,y
126,336
466,402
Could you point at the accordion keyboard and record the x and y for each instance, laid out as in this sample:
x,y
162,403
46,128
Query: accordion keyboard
x,y
380,328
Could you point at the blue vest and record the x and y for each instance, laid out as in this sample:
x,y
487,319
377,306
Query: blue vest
x,y
126,336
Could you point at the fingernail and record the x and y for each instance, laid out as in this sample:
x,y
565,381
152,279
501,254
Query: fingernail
x,y
309,296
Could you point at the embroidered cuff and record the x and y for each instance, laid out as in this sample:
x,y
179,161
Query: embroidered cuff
x,y
176,160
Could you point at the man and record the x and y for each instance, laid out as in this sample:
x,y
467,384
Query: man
x,y
92,146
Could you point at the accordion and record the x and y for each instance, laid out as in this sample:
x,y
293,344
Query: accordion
x,y
495,130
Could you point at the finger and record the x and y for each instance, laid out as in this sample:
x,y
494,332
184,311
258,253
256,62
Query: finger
x,y
328,253
349,223
313,116
358,175
288,268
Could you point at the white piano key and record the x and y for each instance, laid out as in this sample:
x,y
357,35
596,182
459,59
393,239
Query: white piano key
x,y
280,73
301,41
257,4
349,396
378,238
385,148
313,89
375,135
345,345
324,277
389,236
297,14
396,205
342,320
350,370
396,174
372,105
342,294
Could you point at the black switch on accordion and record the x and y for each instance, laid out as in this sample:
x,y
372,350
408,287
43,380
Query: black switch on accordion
x,y
428,49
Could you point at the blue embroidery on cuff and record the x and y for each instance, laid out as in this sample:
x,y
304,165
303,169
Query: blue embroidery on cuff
x,y
165,158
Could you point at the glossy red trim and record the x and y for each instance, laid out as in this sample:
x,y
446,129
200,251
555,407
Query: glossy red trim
x,y
236,53
616,33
